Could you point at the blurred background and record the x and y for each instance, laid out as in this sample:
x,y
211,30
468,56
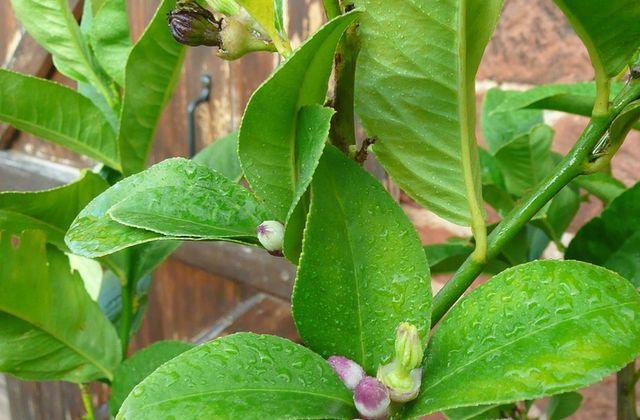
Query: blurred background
x,y
208,290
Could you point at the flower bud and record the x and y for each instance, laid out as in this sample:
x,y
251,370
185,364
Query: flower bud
x,y
271,236
192,24
371,398
403,375
238,37
350,372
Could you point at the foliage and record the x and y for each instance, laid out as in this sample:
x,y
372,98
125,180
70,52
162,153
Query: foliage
x,y
537,328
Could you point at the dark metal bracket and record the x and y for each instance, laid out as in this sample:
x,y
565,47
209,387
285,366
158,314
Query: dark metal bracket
x,y
205,94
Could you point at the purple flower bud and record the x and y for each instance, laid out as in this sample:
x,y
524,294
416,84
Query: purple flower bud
x,y
371,398
192,24
349,371
271,236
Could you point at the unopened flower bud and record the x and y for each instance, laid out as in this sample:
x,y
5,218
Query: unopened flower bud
x,y
403,375
271,236
192,24
371,398
350,372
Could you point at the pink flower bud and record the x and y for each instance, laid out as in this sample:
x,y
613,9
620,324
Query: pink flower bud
x,y
371,398
350,372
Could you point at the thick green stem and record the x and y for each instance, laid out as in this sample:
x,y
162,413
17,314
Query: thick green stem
x,y
571,166
126,316
603,89
86,401
626,393
332,8
343,134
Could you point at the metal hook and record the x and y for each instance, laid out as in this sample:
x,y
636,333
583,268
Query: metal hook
x,y
205,93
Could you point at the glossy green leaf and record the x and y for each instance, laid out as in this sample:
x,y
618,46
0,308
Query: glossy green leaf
x,y
50,329
111,39
609,31
152,71
58,114
537,329
142,364
52,24
482,412
265,13
267,139
526,160
603,186
94,233
499,128
576,98
415,92
313,126
242,376
612,240
362,270
562,406
14,222
222,156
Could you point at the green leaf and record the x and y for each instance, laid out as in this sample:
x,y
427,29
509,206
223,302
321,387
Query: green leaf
x,y
526,160
50,329
111,39
55,208
313,126
538,329
562,406
242,376
448,257
415,92
142,364
609,31
482,412
555,218
362,270
58,114
175,199
14,222
52,24
222,156
576,98
603,186
267,139
264,12
612,240
151,74
499,128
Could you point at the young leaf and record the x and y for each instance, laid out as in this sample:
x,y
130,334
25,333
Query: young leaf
x,y
612,239
58,114
50,329
267,139
526,160
415,92
555,218
175,199
55,208
110,38
537,329
52,24
362,271
609,31
242,376
266,14
151,74
222,156
603,186
142,364
499,128
562,406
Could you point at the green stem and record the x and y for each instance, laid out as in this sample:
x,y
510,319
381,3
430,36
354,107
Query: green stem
x,y
603,89
343,133
571,166
626,393
86,401
126,316
332,8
